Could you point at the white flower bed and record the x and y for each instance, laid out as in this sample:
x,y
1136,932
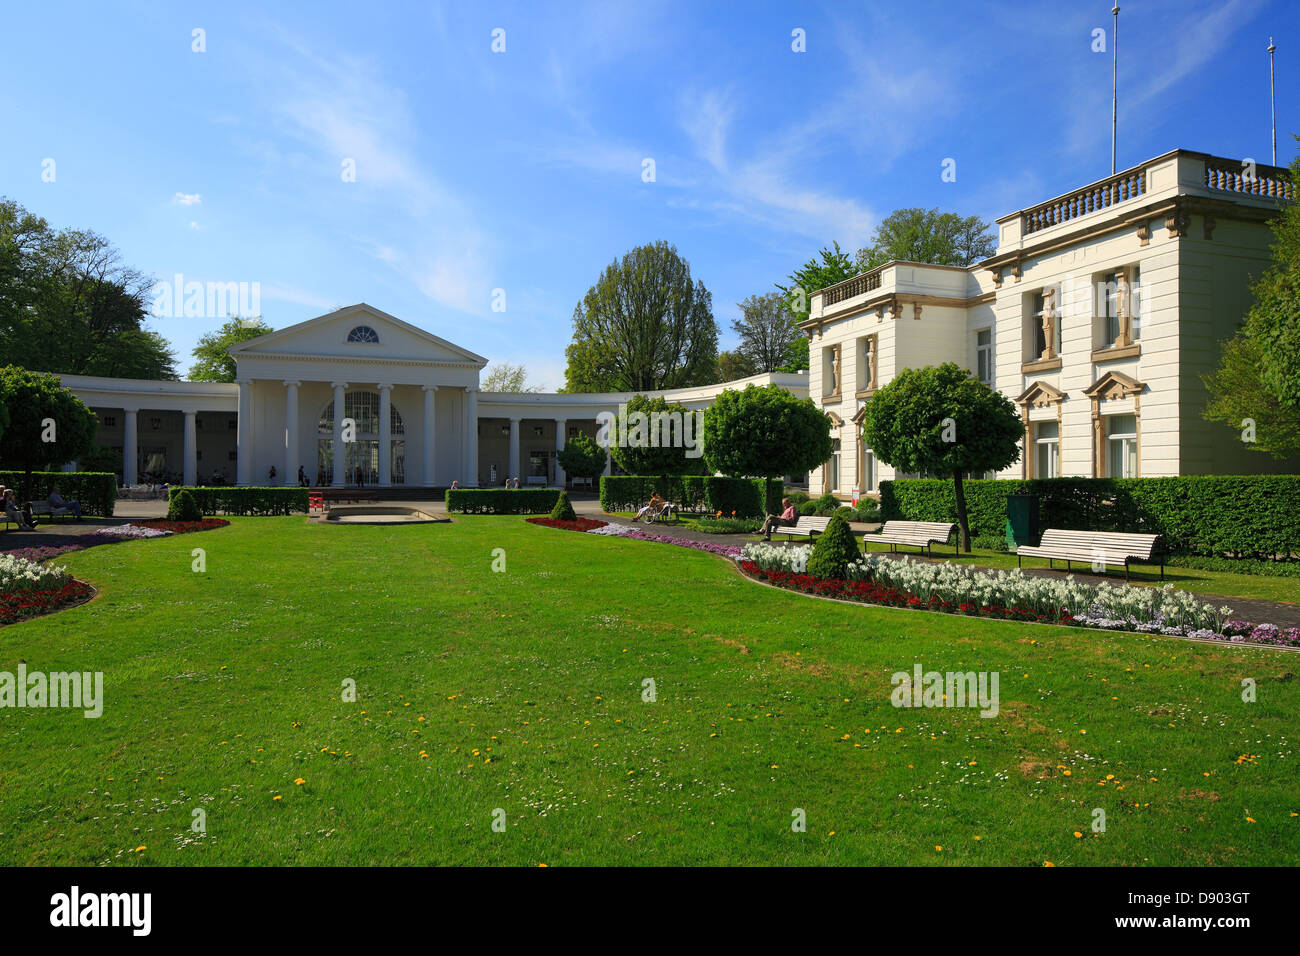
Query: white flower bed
x,y
19,574
1158,610
131,531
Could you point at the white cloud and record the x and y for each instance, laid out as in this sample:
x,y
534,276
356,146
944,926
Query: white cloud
x,y
187,199
195,226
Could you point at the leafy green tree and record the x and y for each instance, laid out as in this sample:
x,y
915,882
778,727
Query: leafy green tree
x,y
1240,399
829,266
1258,377
650,441
68,304
928,235
765,433
46,424
733,365
766,332
941,420
645,325
834,551
504,377
581,457
212,359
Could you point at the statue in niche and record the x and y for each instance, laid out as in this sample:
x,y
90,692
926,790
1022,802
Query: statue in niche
x,y
1049,323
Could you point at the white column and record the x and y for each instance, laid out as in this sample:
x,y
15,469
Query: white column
x,y
471,438
430,413
561,426
385,435
130,453
340,461
191,466
514,448
291,449
244,446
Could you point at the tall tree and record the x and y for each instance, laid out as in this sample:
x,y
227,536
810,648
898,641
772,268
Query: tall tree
x,y
733,365
45,423
645,325
939,419
581,457
69,304
766,332
1258,377
928,235
829,266
212,359
504,377
765,433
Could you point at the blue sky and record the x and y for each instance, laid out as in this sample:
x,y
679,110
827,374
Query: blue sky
x,y
522,170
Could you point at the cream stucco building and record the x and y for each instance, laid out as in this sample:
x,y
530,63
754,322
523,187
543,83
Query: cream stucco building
x,y
1097,316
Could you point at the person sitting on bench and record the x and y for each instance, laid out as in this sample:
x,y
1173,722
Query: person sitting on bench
x,y
785,519
15,514
650,507
57,503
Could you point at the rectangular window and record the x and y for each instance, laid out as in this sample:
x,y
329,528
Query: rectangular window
x,y
574,430
866,468
832,482
232,424
110,421
1121,446
1047,450
984,356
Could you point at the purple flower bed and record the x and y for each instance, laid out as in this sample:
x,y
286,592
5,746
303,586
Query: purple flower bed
x,y
623,531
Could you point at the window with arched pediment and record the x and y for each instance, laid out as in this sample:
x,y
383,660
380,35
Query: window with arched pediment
x,y
364,334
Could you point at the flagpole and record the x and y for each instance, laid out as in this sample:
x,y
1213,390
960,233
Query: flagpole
x,y
1272,99
1114,86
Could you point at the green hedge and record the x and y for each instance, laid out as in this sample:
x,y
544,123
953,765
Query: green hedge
x,y
502,501
747,497
95,491
1239,515
245,500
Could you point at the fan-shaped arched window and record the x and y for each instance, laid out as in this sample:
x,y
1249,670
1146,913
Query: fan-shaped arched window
x,y
364,334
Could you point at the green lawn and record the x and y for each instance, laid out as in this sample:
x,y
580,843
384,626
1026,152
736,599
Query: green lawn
x,y
524,690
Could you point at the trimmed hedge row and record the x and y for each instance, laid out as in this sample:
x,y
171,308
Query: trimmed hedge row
x,y
502,501
244,500
95,491
1239,515
747,497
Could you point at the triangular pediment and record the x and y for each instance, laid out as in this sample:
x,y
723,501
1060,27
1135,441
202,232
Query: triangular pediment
x,y
860,416
1114,385
356,332
1040,394
836,421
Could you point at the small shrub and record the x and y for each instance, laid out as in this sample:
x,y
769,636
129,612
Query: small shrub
x,y
868,511
563,510
797,497
183,507
847,513
808,508
826,505
834,551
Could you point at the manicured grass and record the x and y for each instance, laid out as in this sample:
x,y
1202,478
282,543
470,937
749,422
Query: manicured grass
x,y
224,687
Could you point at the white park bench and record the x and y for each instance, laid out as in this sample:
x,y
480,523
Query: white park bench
x,y
807,526
920,534
45,509
1098,548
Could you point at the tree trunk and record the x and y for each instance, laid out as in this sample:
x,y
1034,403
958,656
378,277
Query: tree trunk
x,y
963,524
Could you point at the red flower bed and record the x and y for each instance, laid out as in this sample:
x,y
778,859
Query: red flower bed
x,y
581,524
20,605
871,592
184,527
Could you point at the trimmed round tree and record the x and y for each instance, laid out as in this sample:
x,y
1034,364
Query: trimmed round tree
x,y
656,437
940,420
581,457
183,507
45,423
834,551
765,433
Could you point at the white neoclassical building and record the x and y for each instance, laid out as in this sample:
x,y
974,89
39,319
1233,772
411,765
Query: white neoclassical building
x,y
1098,315
420,418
